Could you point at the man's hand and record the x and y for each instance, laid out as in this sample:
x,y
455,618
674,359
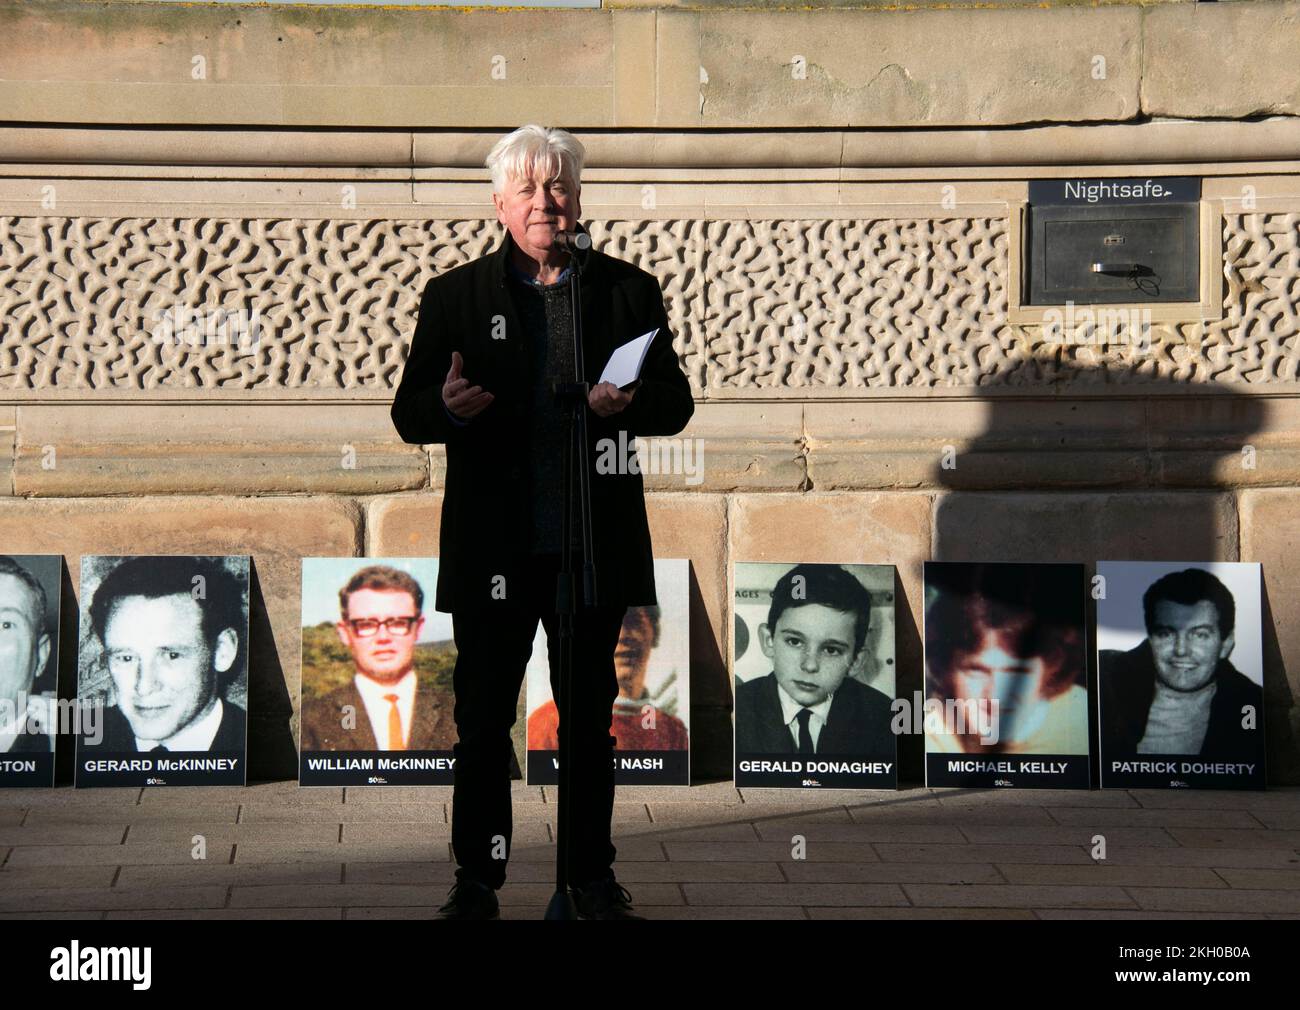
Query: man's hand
x,y
606,399
462,399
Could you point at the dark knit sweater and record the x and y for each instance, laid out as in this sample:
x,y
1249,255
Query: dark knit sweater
x,y
547,318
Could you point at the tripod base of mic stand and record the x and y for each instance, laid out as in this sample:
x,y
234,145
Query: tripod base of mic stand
x,y
561,906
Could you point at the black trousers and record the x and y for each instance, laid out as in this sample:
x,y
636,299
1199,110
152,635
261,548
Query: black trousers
x,y
493,645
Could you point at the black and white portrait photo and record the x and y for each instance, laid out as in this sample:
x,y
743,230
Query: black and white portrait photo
x,y
1180,672
814,675
29,662
163,660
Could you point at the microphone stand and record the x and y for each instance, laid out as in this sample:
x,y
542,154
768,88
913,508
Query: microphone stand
x,y
574,396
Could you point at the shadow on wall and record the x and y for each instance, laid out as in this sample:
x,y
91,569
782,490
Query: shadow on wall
x,y
1140,475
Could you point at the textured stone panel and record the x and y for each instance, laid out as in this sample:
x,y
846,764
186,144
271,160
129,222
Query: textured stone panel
x,y
768,307
336,300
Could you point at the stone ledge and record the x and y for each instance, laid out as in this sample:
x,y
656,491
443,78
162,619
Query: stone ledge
x,y
456,156
81,450
1220,441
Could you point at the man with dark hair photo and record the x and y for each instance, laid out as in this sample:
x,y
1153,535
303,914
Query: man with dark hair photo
x,y
1177,692
172,631
809,704
382,707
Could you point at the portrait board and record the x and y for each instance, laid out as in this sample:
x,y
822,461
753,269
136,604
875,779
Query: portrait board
x,y
162,670
813,659
651,717
31,714
1006,684
1180,674
376,704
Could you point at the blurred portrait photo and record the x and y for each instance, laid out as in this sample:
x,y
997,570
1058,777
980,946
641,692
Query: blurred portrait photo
x,y
1005,659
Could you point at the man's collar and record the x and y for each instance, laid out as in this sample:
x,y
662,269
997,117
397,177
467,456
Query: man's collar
x,y
501,255
403,687
194,737
791,707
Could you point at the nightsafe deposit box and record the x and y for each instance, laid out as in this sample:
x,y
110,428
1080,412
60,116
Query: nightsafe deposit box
x,y
1133,240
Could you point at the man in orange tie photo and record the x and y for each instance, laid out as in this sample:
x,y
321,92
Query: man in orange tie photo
x,y
382,708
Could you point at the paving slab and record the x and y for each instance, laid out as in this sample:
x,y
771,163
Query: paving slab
x,y
1254,879
861,895
1114,876
1080,834
198,873
764,852
1232,838
110,855
229,913
857,832
1017,896
16,878
910,912
112,830
1180,817
1177,899
102,898
805,872
983,853
955,816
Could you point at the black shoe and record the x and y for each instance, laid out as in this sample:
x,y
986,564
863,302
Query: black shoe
x,y
604,899
468,899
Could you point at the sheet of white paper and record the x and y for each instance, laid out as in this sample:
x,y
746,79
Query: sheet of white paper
x,y
625,363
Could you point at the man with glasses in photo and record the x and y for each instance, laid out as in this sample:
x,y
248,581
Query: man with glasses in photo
x,y
383,707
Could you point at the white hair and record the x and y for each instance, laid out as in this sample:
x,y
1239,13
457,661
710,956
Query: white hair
x,y
518,155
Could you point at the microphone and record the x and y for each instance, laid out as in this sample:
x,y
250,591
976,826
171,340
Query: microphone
x,y
573,240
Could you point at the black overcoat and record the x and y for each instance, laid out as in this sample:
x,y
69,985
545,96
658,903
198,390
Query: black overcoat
x,y
486,497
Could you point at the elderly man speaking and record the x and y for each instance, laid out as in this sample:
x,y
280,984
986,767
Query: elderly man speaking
x,y
493,338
